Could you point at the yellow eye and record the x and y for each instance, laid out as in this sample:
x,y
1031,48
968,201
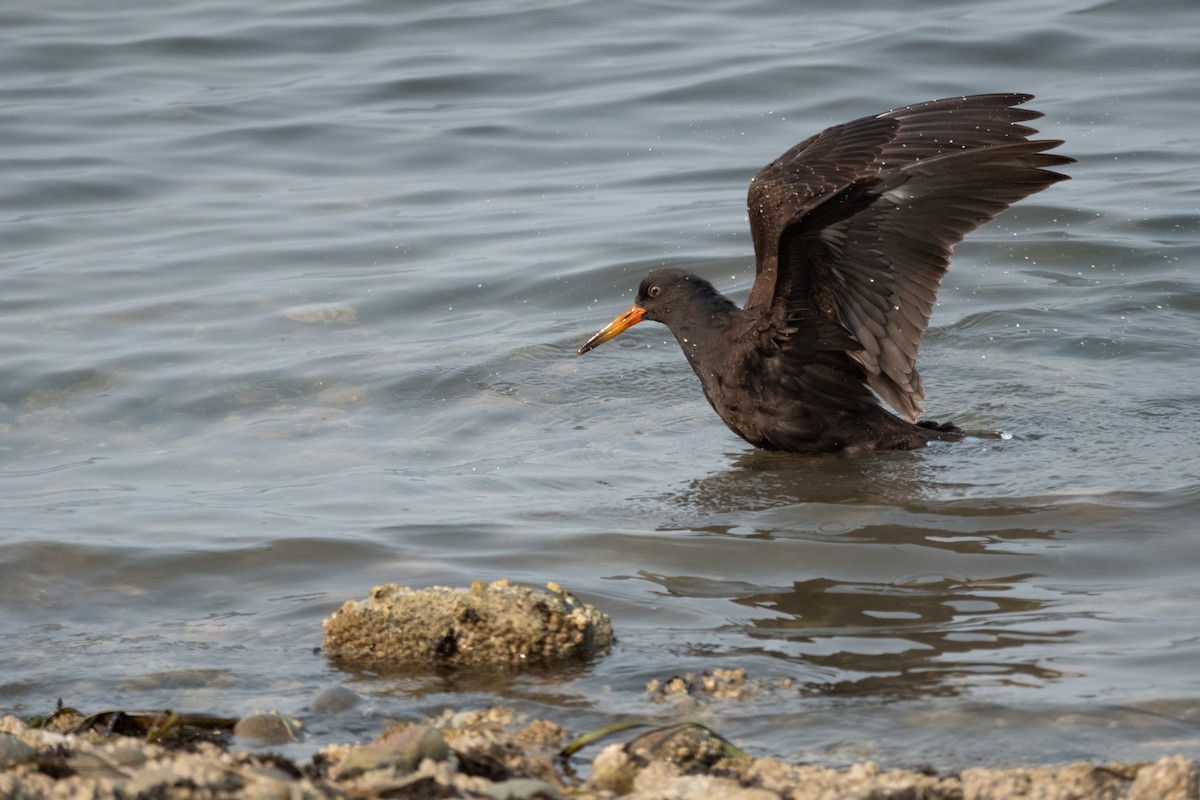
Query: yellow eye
x,y
653,291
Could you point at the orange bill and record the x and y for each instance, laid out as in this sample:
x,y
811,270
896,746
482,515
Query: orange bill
x,y
631,317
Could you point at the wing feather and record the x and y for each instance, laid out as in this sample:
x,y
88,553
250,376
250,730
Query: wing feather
x,y
854,228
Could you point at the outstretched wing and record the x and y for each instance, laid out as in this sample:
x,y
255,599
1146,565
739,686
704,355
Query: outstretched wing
x,y
854,228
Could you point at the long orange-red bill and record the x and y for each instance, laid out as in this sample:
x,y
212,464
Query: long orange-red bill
x,y
631,317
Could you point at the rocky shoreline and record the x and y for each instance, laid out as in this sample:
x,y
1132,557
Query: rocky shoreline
x,y
491,753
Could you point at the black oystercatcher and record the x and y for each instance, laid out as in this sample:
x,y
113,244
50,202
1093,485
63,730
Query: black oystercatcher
x,y
853,230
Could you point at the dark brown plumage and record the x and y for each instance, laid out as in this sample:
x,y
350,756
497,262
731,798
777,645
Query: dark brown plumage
x,y
853,230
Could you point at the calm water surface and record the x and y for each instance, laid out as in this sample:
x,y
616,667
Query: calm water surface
x,y
290,302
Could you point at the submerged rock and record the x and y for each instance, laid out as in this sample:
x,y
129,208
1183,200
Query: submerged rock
x,y
334,700
497,625
720,684
323,314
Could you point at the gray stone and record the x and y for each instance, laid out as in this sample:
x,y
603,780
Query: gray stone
x,y
14,751
334,700
266,728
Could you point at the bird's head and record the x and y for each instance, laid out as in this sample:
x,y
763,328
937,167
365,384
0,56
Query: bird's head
x,y
661,293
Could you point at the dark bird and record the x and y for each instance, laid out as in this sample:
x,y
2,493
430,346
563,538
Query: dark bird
x,y
853,230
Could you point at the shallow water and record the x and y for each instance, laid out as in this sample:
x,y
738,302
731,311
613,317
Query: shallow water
x,y
291,299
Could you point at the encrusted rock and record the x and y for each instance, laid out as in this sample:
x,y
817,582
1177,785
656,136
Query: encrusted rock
x,y
720,684
664,780
1173,778
399,751
1046,783
686,746
490,743
497,625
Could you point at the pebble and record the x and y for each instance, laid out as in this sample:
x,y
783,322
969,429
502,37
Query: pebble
x,y
267,728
